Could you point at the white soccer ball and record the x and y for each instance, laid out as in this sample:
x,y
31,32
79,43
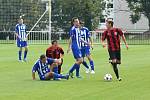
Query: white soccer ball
x,y
107,77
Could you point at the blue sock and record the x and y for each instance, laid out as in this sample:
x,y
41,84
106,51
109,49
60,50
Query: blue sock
x,y
78,70
55,70
92,65
59,76
25,54
85,64
20,52
73,68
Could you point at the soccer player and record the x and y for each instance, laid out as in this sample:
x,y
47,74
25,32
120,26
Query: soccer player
x,y
85,49
113,41
55,52
44,72
20,32
74,44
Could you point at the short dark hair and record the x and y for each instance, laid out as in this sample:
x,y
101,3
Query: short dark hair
x,y
53,42
42,56
111,23
73,20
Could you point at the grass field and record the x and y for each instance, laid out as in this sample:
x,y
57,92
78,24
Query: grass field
x,y
16,82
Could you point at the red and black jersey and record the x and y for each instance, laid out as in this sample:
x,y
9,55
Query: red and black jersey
x,y
54,52
113,38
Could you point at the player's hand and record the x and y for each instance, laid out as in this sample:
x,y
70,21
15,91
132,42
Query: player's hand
x,y
104,45
92,47
127,46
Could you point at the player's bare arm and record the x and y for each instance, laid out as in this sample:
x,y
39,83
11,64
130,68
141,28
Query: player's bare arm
x,y
124,40
69,45
33,75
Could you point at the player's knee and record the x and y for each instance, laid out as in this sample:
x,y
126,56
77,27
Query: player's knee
x,y
114,61
26,49
79,61
51,74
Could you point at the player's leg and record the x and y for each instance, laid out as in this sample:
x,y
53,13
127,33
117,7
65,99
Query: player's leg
x,y
86,66
54,67
84,62
118,61
20,53
53,75
88,55
113,61
91,64
79,60
59,67
19,45
26,50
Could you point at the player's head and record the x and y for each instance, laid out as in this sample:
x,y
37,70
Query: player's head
x,y
20,20
109,23
43,58
54,43
75,21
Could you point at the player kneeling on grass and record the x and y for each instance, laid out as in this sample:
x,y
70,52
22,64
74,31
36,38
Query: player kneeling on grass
x,y
44,72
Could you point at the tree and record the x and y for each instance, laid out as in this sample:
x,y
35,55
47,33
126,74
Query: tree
x,y
11,10
139,7
87,10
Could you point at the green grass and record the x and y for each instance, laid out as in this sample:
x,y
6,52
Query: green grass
x,y
16,82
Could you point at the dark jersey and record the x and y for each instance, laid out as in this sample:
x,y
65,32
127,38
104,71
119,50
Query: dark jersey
x,y
113,38
54,52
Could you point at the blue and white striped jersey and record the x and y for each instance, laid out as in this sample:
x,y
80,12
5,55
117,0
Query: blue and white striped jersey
x,y
42,68
85,35
75,36
21,31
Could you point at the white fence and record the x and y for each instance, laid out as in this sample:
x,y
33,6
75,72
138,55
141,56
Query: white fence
x,y
43,37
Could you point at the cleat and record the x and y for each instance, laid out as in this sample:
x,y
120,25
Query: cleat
x,y
57,79
87,71
92,72
20,60
119,79
67,77
71,75
25,60
78,76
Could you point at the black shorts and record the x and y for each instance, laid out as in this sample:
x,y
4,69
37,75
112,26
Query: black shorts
x,y
115,55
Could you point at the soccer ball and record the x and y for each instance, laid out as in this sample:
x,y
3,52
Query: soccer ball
x,y
107,77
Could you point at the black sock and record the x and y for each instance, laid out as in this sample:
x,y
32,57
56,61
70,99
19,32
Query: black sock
x,y
59,69
115,70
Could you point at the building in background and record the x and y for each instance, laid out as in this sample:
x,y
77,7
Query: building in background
x,y
120,13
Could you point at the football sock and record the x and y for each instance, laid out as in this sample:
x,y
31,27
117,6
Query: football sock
x,y
20,53
78,70
55,75
55,69
115,70
92,65
25,54
85,64
73,68
59,69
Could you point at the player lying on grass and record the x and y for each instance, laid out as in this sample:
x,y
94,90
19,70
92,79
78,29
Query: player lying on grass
x,y
44,72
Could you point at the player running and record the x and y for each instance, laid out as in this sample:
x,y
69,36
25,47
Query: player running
x,y
44,72
20,32
85,48
113,41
